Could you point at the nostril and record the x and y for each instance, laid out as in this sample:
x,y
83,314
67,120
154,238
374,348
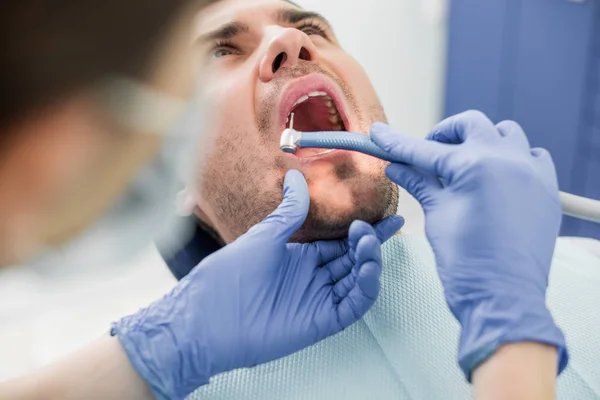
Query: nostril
x,y
304,54
279,60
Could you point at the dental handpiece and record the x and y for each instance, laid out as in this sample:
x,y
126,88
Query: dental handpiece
x,y
292,140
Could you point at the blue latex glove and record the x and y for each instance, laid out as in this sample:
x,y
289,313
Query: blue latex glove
x,y
492,224
256,300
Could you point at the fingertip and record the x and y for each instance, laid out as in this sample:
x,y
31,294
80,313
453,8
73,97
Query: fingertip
x,y
388,227
392,170
368,249
291,213
368,280
461,127
421,185
540,152
380,134
475,115
378,127
359,225
295,179
508,127
396,173
396,222
359,229
296,188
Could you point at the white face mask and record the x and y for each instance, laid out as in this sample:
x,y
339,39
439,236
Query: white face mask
x,y
145,211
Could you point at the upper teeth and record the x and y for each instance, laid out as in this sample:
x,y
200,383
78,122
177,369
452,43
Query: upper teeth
x,y
328,101
307,96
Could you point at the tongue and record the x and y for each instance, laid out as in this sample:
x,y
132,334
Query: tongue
x,y
312,116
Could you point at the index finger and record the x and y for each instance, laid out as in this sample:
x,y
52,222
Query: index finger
x,y
462,127
429,156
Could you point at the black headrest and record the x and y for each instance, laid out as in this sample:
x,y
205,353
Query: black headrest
x,y
198,246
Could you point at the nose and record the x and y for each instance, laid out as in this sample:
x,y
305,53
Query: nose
x,y
287,47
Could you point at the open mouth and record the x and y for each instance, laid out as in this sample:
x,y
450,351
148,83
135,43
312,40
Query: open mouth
x,y
315,112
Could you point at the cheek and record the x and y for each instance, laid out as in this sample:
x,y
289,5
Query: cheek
x,y
369,167
351,72
236,157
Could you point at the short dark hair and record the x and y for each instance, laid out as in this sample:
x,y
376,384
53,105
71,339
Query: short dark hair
x,y
51,49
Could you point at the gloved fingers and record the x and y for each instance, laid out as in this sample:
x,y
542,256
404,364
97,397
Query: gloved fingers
x,y
340,266
464,126
344,285
427,155
282,223
420,185
543,160
358,230
361,294
545,164
388,227
383,231
366,250
513,132
541,153
330,251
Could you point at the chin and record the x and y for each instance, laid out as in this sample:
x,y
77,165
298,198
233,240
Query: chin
x,y
343,193
330,220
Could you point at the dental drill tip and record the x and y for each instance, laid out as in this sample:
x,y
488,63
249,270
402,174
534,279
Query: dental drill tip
x,y
290,150
292,121
289,140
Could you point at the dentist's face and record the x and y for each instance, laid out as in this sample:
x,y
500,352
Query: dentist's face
x,y
262,61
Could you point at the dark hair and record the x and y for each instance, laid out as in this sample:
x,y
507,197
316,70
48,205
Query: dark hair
x,y
53,48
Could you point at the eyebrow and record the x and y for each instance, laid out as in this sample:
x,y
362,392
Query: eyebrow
x,y
236,28
292,16
227,31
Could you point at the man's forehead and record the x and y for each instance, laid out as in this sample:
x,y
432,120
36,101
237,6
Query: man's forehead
x,y
226,11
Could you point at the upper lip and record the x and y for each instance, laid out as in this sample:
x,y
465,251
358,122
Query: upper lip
x,y
308,84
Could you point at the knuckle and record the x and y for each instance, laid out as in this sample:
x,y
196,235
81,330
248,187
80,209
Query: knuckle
x,y
485,165
510,125
476,161
391,146
542,152
441,162
548,157
416,183
475,115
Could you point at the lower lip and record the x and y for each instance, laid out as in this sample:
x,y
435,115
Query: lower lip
x,y
327,156
312,152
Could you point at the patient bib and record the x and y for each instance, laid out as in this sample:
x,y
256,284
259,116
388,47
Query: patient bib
x,y
405,348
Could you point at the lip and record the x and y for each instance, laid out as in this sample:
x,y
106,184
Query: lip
x,y
311,83
330,156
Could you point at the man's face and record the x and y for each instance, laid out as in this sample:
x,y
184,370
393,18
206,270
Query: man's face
x,y
262,61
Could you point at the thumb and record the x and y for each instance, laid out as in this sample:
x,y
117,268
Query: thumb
x,y
421,186
282,223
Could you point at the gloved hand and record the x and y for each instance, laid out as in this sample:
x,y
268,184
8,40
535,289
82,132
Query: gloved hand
x,y
492,216
256,300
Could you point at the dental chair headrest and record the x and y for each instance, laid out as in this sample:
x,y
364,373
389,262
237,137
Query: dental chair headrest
x,y
199,245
